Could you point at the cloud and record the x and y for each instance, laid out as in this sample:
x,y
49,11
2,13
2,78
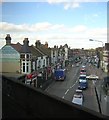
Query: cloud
x,y
54,34
67,4
71,5
75,29
79,28
9,27
98,32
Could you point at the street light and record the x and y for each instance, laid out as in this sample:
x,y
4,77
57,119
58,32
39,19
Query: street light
x,y
102,46
97,41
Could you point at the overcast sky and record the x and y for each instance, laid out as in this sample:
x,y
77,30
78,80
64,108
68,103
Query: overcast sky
x,y
57,23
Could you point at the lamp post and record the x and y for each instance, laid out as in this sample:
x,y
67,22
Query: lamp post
x,y
97,41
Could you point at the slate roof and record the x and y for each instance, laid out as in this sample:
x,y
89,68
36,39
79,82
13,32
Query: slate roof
x,y
17,47
46,51
25,49
35,52
21,48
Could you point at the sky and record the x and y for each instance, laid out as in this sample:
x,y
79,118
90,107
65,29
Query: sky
x,y
58,23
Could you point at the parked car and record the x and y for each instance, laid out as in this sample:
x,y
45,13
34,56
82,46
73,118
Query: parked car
x,y
92,77
78,97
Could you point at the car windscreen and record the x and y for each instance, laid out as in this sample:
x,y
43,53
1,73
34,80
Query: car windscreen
x,y
82,77
83,70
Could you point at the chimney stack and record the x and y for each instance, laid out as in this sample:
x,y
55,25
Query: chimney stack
x,y
38,43
8,39
46,44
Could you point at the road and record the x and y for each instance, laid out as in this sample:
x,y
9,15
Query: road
x,y
66,89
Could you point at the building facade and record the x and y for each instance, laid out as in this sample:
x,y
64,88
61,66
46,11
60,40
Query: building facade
x,y
10,57
106,58
24,59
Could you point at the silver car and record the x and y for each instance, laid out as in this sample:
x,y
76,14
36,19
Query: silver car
x,y
78,97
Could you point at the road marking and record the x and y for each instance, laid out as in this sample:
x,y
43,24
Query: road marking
x,y
76,81
66,92
63,97
72,86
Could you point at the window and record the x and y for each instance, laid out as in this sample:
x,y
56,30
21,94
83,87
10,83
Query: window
x,y
44,62
23,67
27,56
39,63
27,67
22,56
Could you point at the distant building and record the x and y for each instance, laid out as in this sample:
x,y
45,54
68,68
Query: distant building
x,y
54,55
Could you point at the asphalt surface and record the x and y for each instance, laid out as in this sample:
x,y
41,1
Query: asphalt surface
x,y
66,89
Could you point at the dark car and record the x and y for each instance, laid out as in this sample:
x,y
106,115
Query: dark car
x,y
83,85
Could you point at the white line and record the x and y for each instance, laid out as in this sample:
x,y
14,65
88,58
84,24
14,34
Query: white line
x,y
76,81
73,85
66,91
63,97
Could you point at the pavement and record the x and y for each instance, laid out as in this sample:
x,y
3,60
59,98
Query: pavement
x,y
103,98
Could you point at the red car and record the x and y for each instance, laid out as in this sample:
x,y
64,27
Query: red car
x,y
83,71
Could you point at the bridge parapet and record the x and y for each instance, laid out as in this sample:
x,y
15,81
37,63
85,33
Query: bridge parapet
x,y
22,101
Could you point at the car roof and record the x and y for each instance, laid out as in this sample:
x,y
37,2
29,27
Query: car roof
x,y
83,75
77,96
82,69
78,90
83,66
